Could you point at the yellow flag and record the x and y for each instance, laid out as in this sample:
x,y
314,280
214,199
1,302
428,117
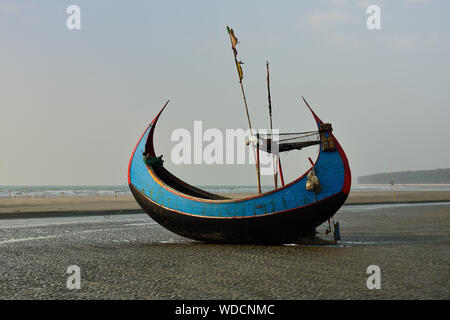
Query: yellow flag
x,y
239,68
234,42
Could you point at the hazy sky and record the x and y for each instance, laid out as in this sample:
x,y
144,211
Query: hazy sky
x,y
74,103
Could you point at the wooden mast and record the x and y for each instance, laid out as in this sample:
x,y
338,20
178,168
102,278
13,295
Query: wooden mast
x,y
234,41
274,157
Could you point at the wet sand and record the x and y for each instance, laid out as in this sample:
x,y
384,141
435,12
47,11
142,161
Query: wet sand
x,y
126,203
132,257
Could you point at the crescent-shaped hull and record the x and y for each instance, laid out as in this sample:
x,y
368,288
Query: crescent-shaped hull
x,y
280,216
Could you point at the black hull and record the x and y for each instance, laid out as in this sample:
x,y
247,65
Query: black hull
x,y
278,228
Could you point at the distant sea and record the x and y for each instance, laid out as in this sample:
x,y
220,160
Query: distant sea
x,y
58,191
84,191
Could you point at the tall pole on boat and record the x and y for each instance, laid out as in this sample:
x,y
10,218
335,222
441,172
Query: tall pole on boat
x,y
274,157
234,42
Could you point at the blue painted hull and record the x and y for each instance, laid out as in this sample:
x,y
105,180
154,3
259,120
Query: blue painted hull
x,y
279,216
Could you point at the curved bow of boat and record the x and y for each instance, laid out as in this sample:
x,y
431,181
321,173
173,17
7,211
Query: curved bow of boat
x,y
133,168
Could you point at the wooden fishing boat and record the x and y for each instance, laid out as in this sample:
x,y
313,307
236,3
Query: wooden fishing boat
x,y
282,215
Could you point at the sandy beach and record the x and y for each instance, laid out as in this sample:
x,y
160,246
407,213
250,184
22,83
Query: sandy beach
x,y
68,205
126,203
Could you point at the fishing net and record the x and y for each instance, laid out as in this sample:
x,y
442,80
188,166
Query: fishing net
x,y
283,142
